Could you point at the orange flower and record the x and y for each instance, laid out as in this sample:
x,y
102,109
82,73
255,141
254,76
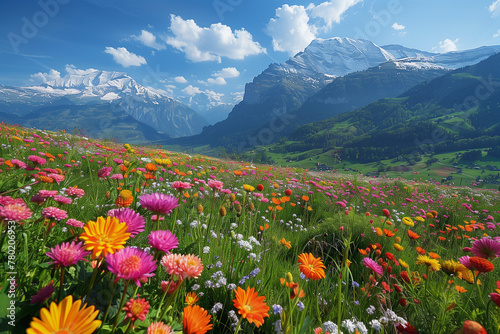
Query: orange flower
x,y
196,320
237,172
305,198
151,167
191,298
251,306
388,233
434,255
480,264
460,289
412,234
379,231
276,201
420,250
287,244
104,236
311,267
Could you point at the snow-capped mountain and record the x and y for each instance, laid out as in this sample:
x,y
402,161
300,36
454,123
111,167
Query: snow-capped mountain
x,y
91,87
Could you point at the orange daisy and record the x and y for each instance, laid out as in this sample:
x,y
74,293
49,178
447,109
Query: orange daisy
x,y
104,236
196,320
413,235
251,306
311,267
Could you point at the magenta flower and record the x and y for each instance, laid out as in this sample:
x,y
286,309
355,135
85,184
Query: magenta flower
x,y
53,212
6,200
47,193
18,163
15,212
62,199
131,264
179,185
163,241
135,222
465,260
37,160
486,248
214,184
75,192
104,172
66,254
159,203
75,223
43,294
371,264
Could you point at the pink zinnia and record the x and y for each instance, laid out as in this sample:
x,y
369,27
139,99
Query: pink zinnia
x,y
163,241
6,200
62,199
75,223
47,193
116,177
53,212
43,294
371,264
66,254
465,260
15,212
131,264
135,222
74,191
57,177
214,184
179,185
36,159
18,163
118,161
486,248
183,266
104,172
159,203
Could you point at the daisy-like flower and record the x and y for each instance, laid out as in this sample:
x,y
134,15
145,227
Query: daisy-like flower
x,y
53,212
135,222
179,185
163,241
104,236
408,221
373,265
104,172
248,187
47,193
486,248
62,199
37,160
43,294
75,192
136,309
191,298
196,320
432,264
65,317
449,266
251,306
159,328
183,266
311,267
215,185
75,223
18,163
159,203
465,261
15,212
124,199
131,264
480,264
67,254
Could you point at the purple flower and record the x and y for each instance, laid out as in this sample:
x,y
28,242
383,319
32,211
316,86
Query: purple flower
x,y
163,241
104,172
486,248
131,264
159,203
134,221
67,254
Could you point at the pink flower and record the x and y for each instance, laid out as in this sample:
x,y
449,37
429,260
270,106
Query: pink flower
x,y
47,193
116,177
171,285
62,199
15,212
135,222
371,264
486,248
465,260
67,254
104,172
159,328
159,203
37,160
179,185
6,200
136,309
163,241
75,223
131,264
75,192
57,177
43,294
214,184
118,161
18,163
184,266
53,212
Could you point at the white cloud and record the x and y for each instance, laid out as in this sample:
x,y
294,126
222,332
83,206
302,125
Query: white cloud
x,y
290,29
211,44
227,72
149,39
124,57
191,90
448,45
494,8
497,33
216,81
40,78
331,11
397,26
237,97
180,79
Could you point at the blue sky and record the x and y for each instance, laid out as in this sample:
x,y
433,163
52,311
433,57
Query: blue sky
x,y
216,46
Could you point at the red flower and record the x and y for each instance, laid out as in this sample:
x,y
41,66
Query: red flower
x,y
386,213
260,187
402,302
288,192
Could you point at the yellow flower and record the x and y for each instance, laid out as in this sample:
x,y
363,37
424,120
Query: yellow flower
x,y
66,317
398,247
449,266
104,236
285,243
408,221
248,187
163,162
403,263
419,219
432,264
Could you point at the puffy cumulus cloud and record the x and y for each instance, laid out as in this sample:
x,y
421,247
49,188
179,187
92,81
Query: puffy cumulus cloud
x,y
331,11
40,78
397,26
227,72
149,39
180,79
191,90
72,70
216,81
212,43
290,29
448,45
125,58
494,8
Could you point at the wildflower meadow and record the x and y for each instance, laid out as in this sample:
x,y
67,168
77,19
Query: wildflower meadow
x,y
101,237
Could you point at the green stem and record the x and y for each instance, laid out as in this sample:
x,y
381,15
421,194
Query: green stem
x,y
171,299
61,282
162,299
130,324
121,305
92,280
238,326
211,214
109,306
